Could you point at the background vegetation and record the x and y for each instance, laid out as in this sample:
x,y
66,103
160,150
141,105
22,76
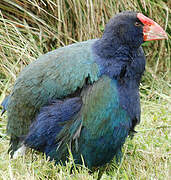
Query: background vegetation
x,y
29,28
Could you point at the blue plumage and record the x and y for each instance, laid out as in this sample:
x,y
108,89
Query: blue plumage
x,y
50,121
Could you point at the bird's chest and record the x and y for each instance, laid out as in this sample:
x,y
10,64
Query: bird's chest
x,y
100,149
129,98
101,142
105,123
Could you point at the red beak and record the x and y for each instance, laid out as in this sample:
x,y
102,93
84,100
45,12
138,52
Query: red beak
x,y
151,30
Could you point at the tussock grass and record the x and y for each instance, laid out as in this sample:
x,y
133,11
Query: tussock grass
x,y
31,28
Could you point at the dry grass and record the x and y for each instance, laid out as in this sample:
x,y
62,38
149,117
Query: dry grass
x,y
30,28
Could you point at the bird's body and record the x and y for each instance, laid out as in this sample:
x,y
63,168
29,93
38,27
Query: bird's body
x,y
102,106
84,97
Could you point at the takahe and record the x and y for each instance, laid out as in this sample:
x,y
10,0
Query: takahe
x,y
83,97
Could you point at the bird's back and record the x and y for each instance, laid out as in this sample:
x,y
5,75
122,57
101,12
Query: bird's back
x,y
57,74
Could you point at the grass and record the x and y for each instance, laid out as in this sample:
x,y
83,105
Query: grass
x,y
31,28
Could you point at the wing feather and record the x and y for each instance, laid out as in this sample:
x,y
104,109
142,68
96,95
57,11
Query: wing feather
x,y
54,75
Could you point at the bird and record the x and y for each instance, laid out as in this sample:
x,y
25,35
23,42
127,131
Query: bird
x,y
83,97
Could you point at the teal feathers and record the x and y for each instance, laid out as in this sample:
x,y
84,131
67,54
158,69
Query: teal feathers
x,y
49,77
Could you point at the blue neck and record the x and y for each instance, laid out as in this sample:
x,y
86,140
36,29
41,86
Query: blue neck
x,y
126,66
116,59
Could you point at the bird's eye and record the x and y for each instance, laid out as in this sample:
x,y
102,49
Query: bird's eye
x,y
137,24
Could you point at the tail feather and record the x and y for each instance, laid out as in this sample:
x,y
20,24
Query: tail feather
x,y
14,140
14,145
4,104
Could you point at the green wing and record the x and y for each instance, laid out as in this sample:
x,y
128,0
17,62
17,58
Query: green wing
x,y
56,74
100,111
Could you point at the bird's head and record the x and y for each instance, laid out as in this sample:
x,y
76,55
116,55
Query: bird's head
x,y
133,29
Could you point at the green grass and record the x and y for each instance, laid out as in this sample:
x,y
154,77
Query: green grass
x,y
28,30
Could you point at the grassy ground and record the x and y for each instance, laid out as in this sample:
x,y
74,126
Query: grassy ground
x,y
29,29
147,156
